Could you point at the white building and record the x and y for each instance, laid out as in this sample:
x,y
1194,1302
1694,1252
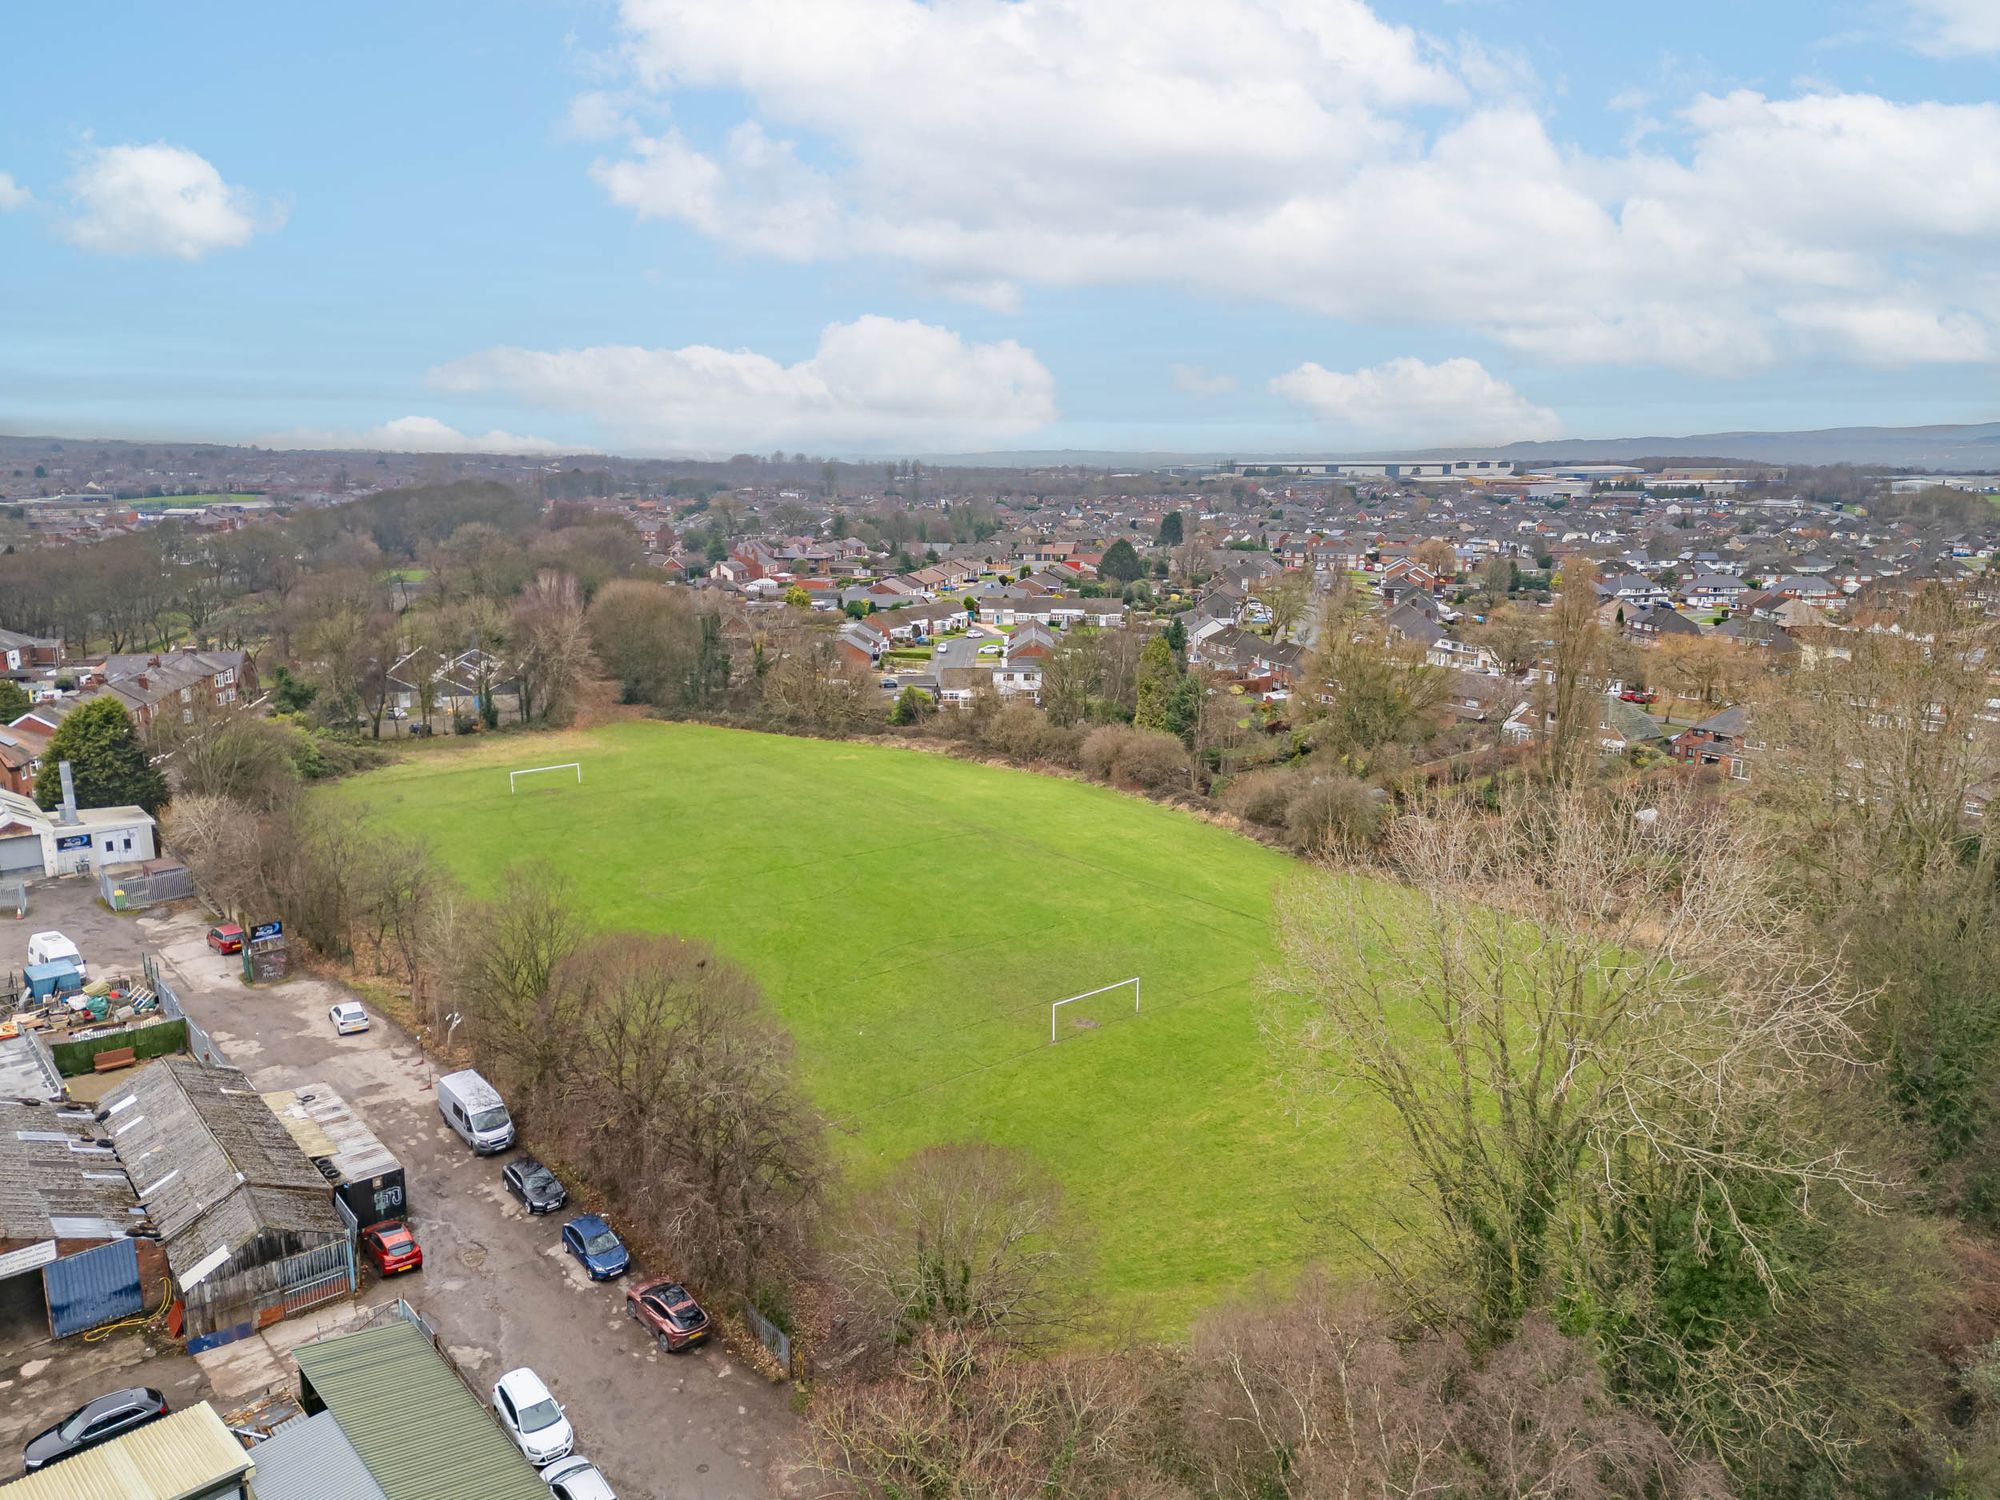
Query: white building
x,y
34,843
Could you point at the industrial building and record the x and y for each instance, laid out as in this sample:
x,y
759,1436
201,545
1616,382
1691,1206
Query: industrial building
x,y
245,1217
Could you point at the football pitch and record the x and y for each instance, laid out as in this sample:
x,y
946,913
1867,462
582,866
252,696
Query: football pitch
x,y
911,917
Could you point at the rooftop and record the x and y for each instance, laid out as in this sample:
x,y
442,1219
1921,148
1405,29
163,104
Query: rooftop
x,y
182,1456
313,1460
411,1418
59,1178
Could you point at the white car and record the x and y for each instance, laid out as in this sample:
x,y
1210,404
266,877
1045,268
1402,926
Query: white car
x,y
347,1017
577,1479
532,1417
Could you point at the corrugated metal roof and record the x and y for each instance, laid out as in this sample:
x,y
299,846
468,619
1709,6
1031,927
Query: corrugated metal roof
x,y
312,1460
60,1178
422,1433
326,1127
178,1457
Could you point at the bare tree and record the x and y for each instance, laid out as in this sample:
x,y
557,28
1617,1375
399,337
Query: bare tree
x,y
1593,1030
1575,661
965,1238
552,650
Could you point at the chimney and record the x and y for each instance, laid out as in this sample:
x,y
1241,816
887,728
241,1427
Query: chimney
x,y
68,814
141,680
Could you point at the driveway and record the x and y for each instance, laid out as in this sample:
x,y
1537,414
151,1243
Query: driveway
x,y
702,1426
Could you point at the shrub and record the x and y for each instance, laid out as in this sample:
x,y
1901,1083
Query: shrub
x,y
1150,761
1099,751
1261,797
1023,732
1333,812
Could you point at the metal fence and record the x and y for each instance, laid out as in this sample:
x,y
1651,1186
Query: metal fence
x,y
770,1335
199,1044
137,890
13,898
227,1307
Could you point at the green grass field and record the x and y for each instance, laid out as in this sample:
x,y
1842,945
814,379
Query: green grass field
x,y
175,502
911,917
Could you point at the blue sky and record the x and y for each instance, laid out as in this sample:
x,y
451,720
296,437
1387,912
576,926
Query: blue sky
x,y
888,226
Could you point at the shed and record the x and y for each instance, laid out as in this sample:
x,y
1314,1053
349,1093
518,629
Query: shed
x,y
244,1215
417,1425
368,1184
313,1460
186,1455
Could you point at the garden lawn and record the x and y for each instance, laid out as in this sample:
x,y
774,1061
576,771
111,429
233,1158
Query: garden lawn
x,y
911,917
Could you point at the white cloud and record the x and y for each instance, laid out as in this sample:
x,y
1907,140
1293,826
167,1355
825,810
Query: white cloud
x,y
1311,154
13,195
874,383
1408,401
1948,28
1193,380
415,435
160,200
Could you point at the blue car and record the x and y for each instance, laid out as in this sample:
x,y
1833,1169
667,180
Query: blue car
x,y
591,1241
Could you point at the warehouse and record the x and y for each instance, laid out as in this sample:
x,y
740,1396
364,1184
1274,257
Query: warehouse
x,y
75,1246
245,1217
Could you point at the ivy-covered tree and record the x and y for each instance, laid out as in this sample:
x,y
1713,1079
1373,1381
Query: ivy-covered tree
x,y
1159,686
106,761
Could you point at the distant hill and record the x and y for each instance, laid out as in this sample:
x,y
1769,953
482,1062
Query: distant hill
x,y
1967,446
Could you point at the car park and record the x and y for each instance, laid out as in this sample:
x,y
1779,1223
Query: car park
x,y
92,1423
669,1312
348,1017
226,937
597,1247
532,1417
577,1478
392,1247
539,1189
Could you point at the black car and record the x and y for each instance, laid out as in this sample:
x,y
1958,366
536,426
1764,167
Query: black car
x,y
535,1185
98,1422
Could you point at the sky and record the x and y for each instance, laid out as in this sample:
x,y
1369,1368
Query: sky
x,y
890,227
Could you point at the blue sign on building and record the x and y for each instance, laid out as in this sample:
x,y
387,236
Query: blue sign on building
x,y
261,930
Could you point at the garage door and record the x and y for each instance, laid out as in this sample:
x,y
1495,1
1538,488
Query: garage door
x,y
21,853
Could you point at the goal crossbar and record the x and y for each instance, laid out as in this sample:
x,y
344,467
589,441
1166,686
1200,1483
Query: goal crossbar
x,y
1102,989
568,765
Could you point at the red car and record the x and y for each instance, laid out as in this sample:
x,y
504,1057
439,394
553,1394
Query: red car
x,y
669,1311
1640,695
393,1246
226,938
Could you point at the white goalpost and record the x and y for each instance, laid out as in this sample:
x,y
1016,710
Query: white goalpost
x,y
568,765
1103,989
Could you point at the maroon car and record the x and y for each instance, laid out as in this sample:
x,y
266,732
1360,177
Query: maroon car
x,y
669,1311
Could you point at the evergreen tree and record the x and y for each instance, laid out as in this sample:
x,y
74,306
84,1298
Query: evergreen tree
x,y
1121,563
1176,634
13,701
1159,686
1172,531
106,760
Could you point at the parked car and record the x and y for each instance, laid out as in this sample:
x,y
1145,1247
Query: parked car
x,y
888,682
535,1185
532,1417
54,948
669,1310
392,1246
226,937
591,1240
576,1478
92,1423
1640,695
347,1017
473,1107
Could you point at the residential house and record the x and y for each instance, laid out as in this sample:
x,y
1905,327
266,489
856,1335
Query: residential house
x,y
176,686
1722,739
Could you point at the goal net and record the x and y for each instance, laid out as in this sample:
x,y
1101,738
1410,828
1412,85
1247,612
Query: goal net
x,y
1091,1009
514,777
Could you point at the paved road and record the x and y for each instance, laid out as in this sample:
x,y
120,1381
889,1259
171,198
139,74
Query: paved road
x,y
701,1426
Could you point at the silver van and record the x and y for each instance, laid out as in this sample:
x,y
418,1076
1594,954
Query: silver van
x,y
473,1107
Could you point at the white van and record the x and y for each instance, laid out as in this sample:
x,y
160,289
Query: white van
x,y
54,948
473,1107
